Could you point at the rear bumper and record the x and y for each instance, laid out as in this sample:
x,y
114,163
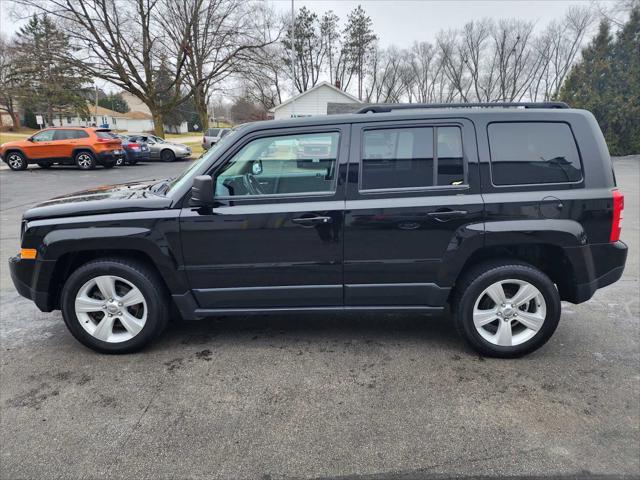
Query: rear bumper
x,y
136,156
595,266
108,157
31,279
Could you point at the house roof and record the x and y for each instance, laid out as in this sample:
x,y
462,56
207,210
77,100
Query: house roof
x,y
138,116
316,87
103,111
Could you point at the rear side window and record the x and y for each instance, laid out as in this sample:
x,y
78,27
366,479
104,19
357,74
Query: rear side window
x,y
533,152
213,132
413,157
107,135
69,134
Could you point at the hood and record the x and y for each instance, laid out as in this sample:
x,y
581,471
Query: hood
x,y
180,145
126,197
13,143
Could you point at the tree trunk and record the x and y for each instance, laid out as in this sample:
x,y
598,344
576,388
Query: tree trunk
x,y
201,108
16,120
158,123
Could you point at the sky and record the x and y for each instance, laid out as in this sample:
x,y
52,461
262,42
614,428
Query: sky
x,y
401,22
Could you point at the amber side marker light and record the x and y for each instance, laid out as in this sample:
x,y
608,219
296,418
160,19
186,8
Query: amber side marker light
x,y
28,253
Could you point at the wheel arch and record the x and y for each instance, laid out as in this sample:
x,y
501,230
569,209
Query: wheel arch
x,y
549,258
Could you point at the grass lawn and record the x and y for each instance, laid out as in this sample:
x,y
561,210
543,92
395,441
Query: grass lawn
x,y
19,135
196,148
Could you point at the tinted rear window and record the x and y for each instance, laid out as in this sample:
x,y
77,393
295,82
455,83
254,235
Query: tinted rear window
x,y
533,152
69,134
108,135
213,132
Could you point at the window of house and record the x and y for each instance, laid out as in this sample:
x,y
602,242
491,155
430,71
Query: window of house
x,y
533,152
282,165
394,158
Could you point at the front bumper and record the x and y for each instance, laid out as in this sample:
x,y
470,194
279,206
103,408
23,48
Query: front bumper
x,y
31,279
595,266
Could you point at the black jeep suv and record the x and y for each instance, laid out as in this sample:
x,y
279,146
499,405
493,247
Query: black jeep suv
x,y
498,210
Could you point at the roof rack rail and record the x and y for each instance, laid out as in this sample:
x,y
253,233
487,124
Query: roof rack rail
x,y
388,107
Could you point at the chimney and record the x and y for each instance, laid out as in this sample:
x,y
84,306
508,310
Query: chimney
x,y
338,84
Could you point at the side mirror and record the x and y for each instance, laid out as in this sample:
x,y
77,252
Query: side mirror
x,y
256,167
202,192
30,139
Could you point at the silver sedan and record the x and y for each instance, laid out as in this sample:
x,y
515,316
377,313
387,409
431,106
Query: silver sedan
x,y
160,149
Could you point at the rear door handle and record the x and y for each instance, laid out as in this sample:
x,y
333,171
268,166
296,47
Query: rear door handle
x,y
310,221
445,215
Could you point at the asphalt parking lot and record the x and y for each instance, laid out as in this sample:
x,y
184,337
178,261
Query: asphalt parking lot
x,y
330,396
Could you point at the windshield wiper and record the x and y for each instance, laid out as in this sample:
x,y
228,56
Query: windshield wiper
x,y
161,186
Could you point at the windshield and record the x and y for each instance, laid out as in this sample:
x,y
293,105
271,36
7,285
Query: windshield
x,y
185,176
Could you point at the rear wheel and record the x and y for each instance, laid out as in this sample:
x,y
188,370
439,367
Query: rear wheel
x,y
17,161
114,305
119,161
85,160
506,309
167,156
132,162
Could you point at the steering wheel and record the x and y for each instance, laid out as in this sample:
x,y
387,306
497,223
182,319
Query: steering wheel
x,y
252,184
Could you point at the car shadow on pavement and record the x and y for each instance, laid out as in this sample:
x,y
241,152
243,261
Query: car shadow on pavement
x,y
287,330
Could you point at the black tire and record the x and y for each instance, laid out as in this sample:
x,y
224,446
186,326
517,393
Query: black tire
x,y
44,165
479,278
16,161
120,162
85,160
132,162
139,275
167,155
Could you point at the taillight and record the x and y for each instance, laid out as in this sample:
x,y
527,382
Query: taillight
x,y
618,207
134,146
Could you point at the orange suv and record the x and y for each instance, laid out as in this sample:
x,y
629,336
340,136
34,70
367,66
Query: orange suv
x,y
84,147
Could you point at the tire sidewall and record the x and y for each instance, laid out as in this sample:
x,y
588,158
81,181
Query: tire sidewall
x,y
155,308
170,156
23,165
517,272
91,155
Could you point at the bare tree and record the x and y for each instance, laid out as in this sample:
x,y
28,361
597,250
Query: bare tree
x,y
223,36
8,81
386,70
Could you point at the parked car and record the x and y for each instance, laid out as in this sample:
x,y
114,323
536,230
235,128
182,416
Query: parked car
x,y
499,212
160,149
135,151
84,147
213,136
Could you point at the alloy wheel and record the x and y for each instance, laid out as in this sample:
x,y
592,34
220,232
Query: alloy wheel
x,y
84,160
111,309
509,312
15,161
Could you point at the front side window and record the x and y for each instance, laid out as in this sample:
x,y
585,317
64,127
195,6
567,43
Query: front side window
x,y
412,157
282,165
533,152
44,136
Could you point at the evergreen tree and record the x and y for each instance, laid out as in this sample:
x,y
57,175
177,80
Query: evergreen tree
x,y
359,42
607,82
48,84
114,101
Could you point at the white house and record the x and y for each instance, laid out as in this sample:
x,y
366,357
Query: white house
x,y
312,102
137,106
131,121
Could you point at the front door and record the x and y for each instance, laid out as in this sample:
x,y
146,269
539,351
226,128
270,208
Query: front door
x,y
40,145
412,198
274,239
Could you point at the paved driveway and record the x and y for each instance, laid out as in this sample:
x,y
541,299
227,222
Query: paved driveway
x,y
366,397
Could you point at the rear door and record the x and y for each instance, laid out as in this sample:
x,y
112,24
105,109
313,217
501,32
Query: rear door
x,y
412,198
274,239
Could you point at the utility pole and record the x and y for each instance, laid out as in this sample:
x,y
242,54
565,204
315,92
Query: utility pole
x,y
96,85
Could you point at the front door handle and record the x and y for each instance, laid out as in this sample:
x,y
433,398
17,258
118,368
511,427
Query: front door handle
x,y
310,221
444,215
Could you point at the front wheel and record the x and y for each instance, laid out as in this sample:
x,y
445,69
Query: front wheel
x,y
506,309
17,161
167,156
114,305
